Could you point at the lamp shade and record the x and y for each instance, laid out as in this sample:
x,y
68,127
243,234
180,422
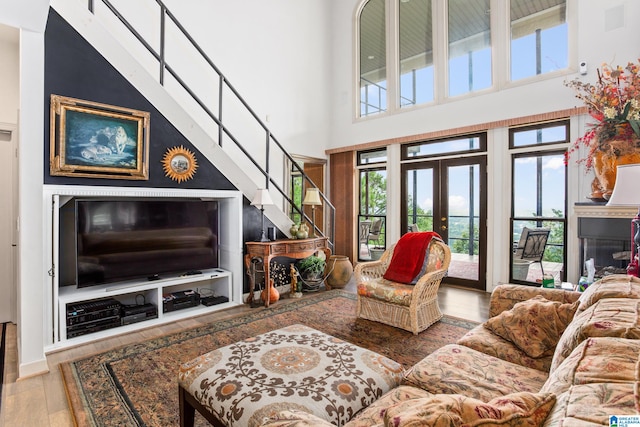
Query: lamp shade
x,y
261,198
312,197
626,191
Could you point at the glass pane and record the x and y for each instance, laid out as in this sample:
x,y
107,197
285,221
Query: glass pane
x,y
416,53
469,33
540,136
420,198
373,192
373,57
471,143
539,186
539,37
530,271
369,157
296,196
463,220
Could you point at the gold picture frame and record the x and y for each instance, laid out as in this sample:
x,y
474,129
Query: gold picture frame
x,y
179,164
94,140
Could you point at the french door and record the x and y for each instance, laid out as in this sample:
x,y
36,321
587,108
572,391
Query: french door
x,y
448,196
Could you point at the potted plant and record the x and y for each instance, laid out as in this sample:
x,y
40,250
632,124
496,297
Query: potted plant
x,y
614,137
311,270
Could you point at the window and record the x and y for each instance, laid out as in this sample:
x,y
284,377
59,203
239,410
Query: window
x,y
416,52
373,203
551,133
295,208
373,58
539,201
469,35
539,37
462,50
457,144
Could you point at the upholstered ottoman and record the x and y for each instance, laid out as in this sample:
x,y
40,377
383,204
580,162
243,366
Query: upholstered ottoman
x,y
296,367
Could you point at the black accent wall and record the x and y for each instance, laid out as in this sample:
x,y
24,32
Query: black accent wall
x,y
73,68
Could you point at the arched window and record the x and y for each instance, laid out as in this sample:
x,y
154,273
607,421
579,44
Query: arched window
x,y
373,58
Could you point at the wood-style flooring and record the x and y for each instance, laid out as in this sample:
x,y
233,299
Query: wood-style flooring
x,y
41,401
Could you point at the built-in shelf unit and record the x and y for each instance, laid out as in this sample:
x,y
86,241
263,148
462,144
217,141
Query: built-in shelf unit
x,y
223,284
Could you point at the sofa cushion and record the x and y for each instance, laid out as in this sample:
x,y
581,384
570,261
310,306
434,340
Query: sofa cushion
x,y
518,409
374,414
385,290
456,369
505,296
588,405
601,359
614,317
534,326
485,341
614,286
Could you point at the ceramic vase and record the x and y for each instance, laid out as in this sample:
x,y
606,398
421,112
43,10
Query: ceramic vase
x,y
340,271
604,166
274,294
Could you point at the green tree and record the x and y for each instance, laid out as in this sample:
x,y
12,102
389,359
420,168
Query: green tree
x,y
554,252
461,245
373,192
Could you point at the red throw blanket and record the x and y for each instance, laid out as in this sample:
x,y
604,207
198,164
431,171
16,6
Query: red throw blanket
x,y
408,256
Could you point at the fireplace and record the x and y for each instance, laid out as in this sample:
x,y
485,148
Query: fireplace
x,y
604,234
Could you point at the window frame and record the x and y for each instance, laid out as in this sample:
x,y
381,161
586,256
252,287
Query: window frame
x,y
482,136
535,150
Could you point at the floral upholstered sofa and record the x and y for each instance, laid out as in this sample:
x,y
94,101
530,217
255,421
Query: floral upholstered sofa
x,y
545,357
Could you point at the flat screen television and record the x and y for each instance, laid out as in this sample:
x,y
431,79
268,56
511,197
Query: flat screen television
x,y
114,240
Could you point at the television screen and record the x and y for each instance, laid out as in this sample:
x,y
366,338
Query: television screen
x,y
118,240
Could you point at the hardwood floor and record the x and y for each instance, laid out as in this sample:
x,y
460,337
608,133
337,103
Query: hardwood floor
x,y
41,400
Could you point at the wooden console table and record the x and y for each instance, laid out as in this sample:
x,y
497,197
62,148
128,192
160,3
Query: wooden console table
x,y
300,248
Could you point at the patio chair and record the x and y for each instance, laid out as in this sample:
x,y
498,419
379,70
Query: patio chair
x,y
363,237
412,307
531,246
374,232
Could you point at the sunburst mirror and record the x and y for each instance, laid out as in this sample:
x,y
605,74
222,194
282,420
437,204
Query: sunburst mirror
x,y
179,164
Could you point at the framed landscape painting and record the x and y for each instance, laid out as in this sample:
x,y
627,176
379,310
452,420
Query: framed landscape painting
x,y
89,139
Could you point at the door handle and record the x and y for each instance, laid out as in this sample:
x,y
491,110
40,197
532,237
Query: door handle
x,y
444,218
443,227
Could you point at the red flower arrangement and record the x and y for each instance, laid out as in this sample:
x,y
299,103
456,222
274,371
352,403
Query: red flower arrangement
x,y
614,102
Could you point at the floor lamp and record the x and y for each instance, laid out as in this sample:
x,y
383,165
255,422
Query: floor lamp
x,y
626,193
262,198
312,198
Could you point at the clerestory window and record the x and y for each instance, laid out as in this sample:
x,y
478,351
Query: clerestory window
x,y
450,48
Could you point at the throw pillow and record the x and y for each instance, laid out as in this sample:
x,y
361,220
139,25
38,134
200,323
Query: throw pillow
x,y
453,410
534,326
408,257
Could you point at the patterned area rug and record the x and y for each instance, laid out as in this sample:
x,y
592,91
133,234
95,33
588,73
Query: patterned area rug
x,y
137,385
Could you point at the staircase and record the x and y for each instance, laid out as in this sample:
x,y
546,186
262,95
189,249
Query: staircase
x,y
218,122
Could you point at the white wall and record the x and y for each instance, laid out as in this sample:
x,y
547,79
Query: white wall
x,y
277,55
30,17
9,71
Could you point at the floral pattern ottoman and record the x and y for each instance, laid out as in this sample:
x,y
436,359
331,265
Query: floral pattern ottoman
x,y
296,367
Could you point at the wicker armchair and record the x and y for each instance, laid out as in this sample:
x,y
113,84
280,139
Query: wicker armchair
x,y
410,307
